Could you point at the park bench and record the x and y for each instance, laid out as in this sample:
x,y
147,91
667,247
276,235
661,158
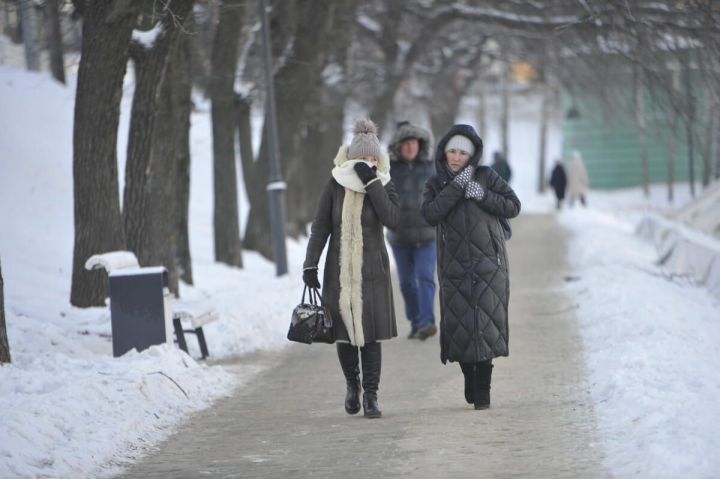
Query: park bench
x,y
121,265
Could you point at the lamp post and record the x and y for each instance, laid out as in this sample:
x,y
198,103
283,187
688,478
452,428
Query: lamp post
x,y
276,186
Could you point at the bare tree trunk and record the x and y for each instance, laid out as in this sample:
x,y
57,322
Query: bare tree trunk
x,y
482,111
299,89
182,79
710,109
642,126
324,130
4,345
54,40
674,94
671,159
170,145
244,128
544,119
28,21
383,104
151,64
98,224
717,147
257,232
505,113
226,217
690,126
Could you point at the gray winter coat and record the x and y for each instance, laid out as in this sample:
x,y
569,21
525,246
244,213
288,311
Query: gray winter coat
x,y
472,259
409,178
379,208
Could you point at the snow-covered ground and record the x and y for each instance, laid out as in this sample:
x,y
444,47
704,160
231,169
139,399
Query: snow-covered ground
x,y
71,410
650,344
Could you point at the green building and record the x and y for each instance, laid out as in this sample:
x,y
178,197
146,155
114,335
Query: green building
x,y
609,139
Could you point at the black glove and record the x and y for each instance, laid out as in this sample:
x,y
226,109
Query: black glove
x,y
474,191
364,172
464,176
310,278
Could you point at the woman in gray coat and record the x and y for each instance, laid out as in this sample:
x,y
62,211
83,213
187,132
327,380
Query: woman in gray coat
x,y
356,203
468,203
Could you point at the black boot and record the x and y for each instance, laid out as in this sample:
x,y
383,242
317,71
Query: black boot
x,y
483,374
371,360
468,370
350,363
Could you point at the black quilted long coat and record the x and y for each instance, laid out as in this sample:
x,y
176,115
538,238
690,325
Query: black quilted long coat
x,y
472,259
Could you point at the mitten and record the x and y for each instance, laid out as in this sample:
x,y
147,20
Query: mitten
x,y
464,176
364,172
474,191
310,277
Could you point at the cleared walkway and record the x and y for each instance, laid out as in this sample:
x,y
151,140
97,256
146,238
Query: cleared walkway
x,y
290,423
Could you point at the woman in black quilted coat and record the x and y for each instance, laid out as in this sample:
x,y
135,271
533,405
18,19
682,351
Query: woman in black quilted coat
x,y
467,202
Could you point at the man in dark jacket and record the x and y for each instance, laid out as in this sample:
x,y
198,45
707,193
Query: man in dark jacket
x,y
413,240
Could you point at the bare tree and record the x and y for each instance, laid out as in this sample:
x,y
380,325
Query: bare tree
x,y
29,23
178,101
107,26
142,174
169,179
54,40
226,217
4,345
305,78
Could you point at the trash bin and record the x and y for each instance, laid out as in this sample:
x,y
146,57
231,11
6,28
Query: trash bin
x,y
140,308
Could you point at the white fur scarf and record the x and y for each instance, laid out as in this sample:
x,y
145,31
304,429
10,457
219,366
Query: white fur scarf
x,y
351,263
351,241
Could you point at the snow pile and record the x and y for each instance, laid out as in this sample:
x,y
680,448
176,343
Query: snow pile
x,y
66,417
650,345
70,408
703,214
683,251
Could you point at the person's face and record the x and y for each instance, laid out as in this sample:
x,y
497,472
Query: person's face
x,y
457,159
409,149
370,159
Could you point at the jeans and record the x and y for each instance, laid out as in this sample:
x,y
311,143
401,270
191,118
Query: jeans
x,y
416,269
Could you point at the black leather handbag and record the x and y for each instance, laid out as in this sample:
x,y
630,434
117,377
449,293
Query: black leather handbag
x,y
311,322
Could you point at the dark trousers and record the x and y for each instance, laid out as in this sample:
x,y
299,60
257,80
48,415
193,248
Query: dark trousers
x,y
416,271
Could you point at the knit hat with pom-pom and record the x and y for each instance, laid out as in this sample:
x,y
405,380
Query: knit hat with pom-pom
x,y
365,141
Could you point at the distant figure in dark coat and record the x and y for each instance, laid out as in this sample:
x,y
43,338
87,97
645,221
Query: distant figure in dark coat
x,y
466,202
558,181
501,165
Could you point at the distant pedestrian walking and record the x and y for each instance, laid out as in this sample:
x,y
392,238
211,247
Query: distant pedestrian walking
x,y
578,181
413,240
558,182
501,166
466,201
356,203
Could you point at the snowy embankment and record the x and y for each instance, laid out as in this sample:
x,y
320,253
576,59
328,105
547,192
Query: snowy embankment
x,y
69,408
650,343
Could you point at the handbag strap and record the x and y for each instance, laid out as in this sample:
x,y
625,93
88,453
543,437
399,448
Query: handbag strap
x,y
314,296
302,300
